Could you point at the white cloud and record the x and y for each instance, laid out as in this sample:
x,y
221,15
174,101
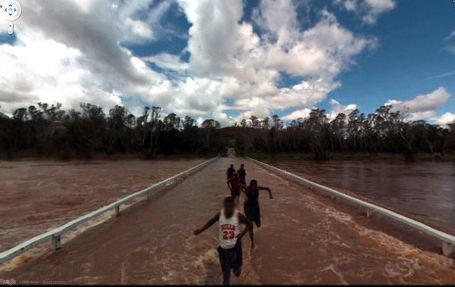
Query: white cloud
x,y
349,5
443,75
338,108
304,113
84,60
139,28
377,7
369,10
73,55
446,118
450,36
168,62
249,65
422,107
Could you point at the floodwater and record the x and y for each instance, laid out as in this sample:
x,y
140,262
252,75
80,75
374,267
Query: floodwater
x,y
304,239
36,196
423,190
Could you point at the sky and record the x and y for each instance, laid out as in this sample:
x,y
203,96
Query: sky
x,y
231,59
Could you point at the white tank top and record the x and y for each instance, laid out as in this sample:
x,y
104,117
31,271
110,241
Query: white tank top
x,y
228,230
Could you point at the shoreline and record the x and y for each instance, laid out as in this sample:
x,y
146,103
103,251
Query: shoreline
x,y
356,156
104,157
391,157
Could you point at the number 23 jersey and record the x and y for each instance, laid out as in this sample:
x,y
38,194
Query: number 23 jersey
x,y
229,228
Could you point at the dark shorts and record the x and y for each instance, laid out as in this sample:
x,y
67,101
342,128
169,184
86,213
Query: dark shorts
x,y
253,213
236,192
231,258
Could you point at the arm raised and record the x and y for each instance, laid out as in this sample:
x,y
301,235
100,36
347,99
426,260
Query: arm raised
x,y
209,223
266,189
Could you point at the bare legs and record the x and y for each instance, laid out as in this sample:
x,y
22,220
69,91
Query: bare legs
x,y
227,275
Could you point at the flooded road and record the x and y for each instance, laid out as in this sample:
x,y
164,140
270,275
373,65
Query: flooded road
x,y
305,239
423,190
36,196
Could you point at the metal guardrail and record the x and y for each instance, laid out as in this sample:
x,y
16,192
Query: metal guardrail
x,y
55,234
448,240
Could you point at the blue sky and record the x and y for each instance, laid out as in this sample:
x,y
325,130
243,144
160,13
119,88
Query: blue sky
x,y
232,59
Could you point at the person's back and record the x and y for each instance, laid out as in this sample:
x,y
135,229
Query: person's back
x,y
251,205
242,174
235,182
235,186
230,172
252,196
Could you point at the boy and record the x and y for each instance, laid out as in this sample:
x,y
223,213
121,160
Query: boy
x,y
229,236
251,205
235,186
242,174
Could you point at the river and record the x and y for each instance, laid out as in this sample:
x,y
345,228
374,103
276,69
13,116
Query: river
x,y
37,195
423,190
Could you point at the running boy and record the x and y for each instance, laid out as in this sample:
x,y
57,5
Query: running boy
x,y
251,205
229,236
235,186
230,172
242,174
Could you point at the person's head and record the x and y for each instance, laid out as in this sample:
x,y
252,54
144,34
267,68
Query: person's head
x,y
232,166
236,174
229,206
253,183
242,165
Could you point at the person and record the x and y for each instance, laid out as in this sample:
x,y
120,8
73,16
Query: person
x,y
230,238
251,205
230,172
242,174
235,186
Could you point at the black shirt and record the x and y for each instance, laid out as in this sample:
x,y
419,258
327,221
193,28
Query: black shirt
x,y
230,172
252,196
242,174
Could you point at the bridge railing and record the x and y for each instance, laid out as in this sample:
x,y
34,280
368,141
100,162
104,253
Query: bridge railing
x,y
55,234
448,240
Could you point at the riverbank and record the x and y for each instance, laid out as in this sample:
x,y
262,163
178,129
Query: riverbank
x,y
425,157
31,156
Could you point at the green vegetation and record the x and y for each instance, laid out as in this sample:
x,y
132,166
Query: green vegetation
x,y
383,134
51,131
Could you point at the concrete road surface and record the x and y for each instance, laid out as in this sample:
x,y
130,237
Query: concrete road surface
x,y
305,239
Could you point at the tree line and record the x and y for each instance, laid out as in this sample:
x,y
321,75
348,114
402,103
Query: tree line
x,y
384,131
49,130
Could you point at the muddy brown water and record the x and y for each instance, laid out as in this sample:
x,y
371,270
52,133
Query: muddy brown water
x,y
36,196
423,190
305,239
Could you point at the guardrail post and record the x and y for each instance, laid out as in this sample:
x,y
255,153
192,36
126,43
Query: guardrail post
x,y
447,248
56,241
117,210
